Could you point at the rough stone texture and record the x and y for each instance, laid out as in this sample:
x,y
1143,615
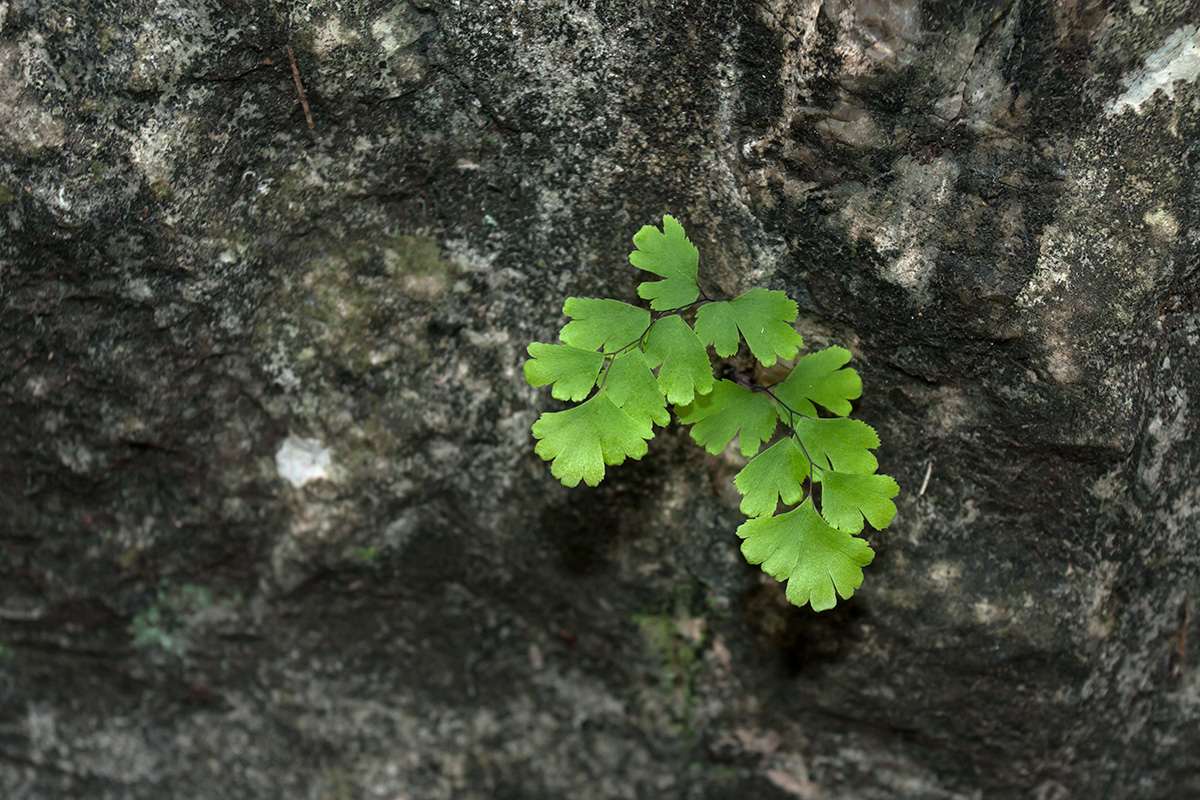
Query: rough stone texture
x,y
992,203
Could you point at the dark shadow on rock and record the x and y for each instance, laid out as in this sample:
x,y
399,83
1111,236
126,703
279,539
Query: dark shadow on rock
x,y
587,526
802,641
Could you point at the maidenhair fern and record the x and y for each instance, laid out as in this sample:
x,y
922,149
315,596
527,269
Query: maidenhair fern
x,y
626,364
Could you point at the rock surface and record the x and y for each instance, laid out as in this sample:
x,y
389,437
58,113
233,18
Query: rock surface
x,y
271,525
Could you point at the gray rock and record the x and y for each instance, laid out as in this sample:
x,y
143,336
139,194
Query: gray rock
x,y
991,204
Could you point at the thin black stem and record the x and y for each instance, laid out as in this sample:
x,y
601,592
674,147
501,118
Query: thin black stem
x,y
666,312
604,374
754,387
791,424
655,316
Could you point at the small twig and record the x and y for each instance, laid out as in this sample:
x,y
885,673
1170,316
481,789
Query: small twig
x,y
300,88
925,483
1179,651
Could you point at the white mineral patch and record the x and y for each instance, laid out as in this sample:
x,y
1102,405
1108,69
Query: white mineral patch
x,y
331,35
1162,223
302,460
1177,60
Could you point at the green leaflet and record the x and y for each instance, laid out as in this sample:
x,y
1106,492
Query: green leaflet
x,y
607,325
629,367
581,440
847,498
726,412
685,370
841,444
667,253
815,559
764,318
775,474
572,370
817,378
632,387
